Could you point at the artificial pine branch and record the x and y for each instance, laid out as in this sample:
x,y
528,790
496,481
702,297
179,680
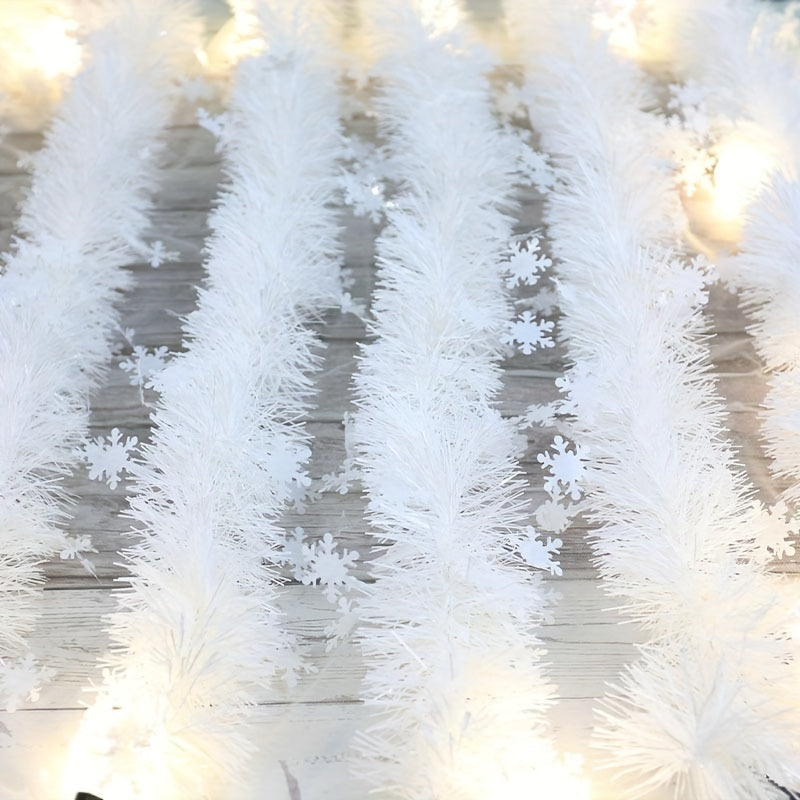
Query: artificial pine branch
x,y
196,642
81,221
455,682
708,710
746,82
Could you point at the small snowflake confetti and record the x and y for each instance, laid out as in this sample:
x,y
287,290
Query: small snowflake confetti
x,y
285,462
292,553
540,554
510,102
22,680
158,254
108,458
529,333
553,516
526,263
215,125
566,468
776,531
324,565
544,415
143,364
534,166
343,624
74,549
364,193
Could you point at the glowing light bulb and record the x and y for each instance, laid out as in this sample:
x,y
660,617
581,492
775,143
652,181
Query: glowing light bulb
x,y
742,167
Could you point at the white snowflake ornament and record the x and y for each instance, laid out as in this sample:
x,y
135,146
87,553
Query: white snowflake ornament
x,y
553,516
540,554
143,364
74,548
526,263
536,169
107,458
158,254
776,531
324,565
566,469
529,333
22,680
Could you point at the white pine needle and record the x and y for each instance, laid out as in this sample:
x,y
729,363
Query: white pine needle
x,y
81,222
709,716
196,642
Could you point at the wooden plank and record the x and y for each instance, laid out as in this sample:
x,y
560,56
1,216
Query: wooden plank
x,y
586,644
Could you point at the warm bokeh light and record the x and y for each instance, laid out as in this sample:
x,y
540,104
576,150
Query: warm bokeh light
x,y
742,167
616,18
38,37
233,43
114,756
439,16
557,780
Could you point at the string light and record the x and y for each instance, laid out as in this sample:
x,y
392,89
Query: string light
x,y
742,167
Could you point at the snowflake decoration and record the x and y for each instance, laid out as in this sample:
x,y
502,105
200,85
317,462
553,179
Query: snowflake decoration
x,y
292,553
157,254
543,301
74,549
775,532
349,305
525,264
566,469
553,516
536,169
21,680
364,193
540,554
510,102
690,101
529,333
324,565
284,462
215,125
687,282
544,414
143,364
108,458
343,624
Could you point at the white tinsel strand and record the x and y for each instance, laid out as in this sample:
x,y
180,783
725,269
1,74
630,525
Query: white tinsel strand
x,y
81,222
197,643
454,681
709,710
746,82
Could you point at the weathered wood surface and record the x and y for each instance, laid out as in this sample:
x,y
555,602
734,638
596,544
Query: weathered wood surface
x,y
308,727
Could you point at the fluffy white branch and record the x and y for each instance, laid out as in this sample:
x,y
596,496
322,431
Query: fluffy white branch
x,y
454,676
196,642
709,710
81,222
749,80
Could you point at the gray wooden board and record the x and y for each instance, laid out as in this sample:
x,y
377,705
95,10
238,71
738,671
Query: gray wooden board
x,y
309,727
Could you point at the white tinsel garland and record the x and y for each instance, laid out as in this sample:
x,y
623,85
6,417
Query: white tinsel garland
x,y
82,220
707,711
745,85
455,681
196,642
